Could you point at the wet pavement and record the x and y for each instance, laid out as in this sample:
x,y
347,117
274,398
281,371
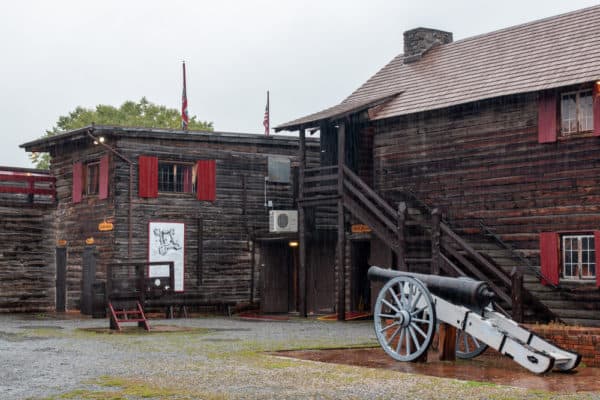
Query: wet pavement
x,y
489,367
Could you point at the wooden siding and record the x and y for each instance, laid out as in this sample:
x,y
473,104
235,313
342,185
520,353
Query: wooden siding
x,y
76,222
27,259
224,229
483,162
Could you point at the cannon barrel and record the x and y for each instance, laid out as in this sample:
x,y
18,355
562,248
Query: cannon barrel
x,y
464,291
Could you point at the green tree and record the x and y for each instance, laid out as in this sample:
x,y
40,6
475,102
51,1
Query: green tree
x,y
141,114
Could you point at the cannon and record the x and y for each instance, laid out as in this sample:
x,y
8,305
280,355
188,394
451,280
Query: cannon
x,y
410,306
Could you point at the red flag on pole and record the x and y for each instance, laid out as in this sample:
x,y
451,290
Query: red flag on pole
x,y
266,118
184,104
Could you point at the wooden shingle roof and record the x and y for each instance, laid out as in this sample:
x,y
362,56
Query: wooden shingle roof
x,y
544,54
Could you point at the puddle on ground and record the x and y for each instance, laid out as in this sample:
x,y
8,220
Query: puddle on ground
x,y
14,337
489,367
220,340
40,327
136,330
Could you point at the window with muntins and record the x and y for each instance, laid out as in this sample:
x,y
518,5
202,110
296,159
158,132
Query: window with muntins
x,y
176,178
578,257
576,112
92,178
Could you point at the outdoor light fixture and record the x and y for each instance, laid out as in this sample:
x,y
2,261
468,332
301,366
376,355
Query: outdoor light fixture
x,y
99,140
597,88
293,243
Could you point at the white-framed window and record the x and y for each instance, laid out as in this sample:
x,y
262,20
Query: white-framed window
x,y
576,112
176,177
578,257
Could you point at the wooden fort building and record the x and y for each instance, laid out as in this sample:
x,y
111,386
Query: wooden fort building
x,y
115,186
473,157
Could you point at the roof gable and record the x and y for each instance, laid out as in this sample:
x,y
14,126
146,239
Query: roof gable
x,y
548,53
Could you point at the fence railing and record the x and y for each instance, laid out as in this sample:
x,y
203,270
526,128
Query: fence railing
x,y
31,183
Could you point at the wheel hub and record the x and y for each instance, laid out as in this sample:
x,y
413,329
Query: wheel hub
x,y
403,317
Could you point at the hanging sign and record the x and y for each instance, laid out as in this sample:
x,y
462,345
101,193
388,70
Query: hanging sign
x,y
105,226
360,228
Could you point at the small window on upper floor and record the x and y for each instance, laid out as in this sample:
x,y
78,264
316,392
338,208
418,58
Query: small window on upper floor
x,y
92,178
176,177
576,112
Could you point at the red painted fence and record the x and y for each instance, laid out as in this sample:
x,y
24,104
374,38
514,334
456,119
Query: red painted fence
x,y
27,181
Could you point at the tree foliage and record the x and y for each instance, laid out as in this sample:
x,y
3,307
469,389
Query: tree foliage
x,y
139,114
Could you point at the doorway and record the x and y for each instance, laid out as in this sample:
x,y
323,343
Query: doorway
x,y
279,266
360,288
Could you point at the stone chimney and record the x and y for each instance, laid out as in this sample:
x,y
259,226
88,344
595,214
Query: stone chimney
x,y
420,40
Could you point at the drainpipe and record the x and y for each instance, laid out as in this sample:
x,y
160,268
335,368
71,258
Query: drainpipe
x,y
128,161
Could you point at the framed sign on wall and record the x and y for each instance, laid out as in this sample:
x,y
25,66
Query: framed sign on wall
x,y
166,242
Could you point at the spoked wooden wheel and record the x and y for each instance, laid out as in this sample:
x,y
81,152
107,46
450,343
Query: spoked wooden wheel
x,y
467,346
404,318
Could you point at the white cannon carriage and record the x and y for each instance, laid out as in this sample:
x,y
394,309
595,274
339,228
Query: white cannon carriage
x,y
409,307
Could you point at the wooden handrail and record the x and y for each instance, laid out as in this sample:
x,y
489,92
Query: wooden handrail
x,y
475,254
361,185
320,169
370,206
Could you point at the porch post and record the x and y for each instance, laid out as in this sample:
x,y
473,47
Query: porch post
x,y
302,227
401,249
341,237
436,217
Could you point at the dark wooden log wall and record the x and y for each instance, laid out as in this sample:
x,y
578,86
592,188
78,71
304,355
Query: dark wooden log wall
x,y
482,161
77,222
229,225
27,263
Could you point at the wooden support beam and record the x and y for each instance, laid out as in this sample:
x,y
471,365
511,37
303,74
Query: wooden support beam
x,y
401,248
447,342
302,237
341,238
516,294
436,218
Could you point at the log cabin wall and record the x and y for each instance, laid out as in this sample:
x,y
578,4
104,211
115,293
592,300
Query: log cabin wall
x,y
76,222
219,235
27,261
482,161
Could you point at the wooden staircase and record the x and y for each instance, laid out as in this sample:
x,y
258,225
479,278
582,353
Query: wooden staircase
x,y
424,243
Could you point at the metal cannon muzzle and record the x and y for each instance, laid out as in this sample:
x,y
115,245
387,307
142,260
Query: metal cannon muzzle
x,y
464,291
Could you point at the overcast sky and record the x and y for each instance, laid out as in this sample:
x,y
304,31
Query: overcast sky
x,y
56,55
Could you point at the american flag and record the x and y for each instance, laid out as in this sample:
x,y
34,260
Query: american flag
x,y
184,104
266,118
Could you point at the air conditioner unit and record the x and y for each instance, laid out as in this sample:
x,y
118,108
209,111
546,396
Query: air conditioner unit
x,y
283,221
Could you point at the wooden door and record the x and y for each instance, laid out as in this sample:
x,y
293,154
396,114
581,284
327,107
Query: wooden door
x,y
275,265
61,279
321,277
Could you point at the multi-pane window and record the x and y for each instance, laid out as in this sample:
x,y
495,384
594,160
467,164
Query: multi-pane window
x,y
92,178
576,111
579,257
176,178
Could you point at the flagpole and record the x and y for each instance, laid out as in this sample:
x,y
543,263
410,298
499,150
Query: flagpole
x,y
184,105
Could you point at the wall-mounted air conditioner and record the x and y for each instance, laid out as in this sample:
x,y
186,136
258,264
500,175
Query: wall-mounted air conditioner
x,y
283,221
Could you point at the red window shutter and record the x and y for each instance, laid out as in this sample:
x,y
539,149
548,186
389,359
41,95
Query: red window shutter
x,y
547,117
148,176
596,99
103,182
77,182
549,257
207,180
597,251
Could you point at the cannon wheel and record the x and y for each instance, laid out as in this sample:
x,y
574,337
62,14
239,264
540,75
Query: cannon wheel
x,y
467,346
404,318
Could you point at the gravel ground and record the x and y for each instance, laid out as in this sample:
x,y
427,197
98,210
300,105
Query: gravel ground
x,y
219,358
